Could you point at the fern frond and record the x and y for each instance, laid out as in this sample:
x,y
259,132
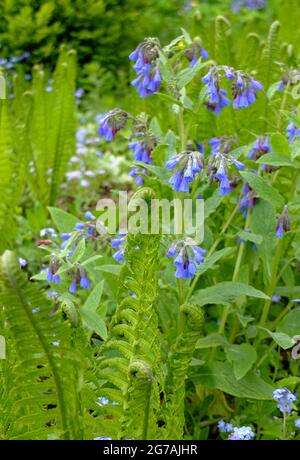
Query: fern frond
x,y
180,357
268,67
62,116
130,365
42,400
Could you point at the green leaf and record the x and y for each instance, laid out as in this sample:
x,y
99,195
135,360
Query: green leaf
x,y
275,160
225,293
221,376
263,188
272,90
164,69
295,148
42,276
113,269
212,340
243,357
212,203
282,339
290,324
155,128
92,321
249,236
211,261
186,75
2,347
91,259
293,118
93,300
280,145
79,251
186,35
159,153
263,222
64,221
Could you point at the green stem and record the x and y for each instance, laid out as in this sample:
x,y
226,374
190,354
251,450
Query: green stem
x,y
284,425
212,250
181,130
234,276
146,415
272,283
283,102
280,316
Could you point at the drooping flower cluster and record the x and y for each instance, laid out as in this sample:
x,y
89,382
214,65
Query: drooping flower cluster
x,y
111,122
144,145
186,256
285,399
259,148
187,165
217,99
292,131
193,52
238,5
52,275
119,243
247,199
283,223
244,88
220,161
145,57
137,172
291,77
79,278
142,148
86,230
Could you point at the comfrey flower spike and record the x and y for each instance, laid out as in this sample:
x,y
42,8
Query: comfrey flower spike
x,y
52,271
290,78
119,242
142,149
216,96
292,131
261,147
193,52
111,122
244,89
285,399
145,57
283,223
136,173
186,256
187,164
79,278
247,200
220,160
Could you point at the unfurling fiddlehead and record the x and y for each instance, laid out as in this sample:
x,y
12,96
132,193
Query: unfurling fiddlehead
x,y
180,358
